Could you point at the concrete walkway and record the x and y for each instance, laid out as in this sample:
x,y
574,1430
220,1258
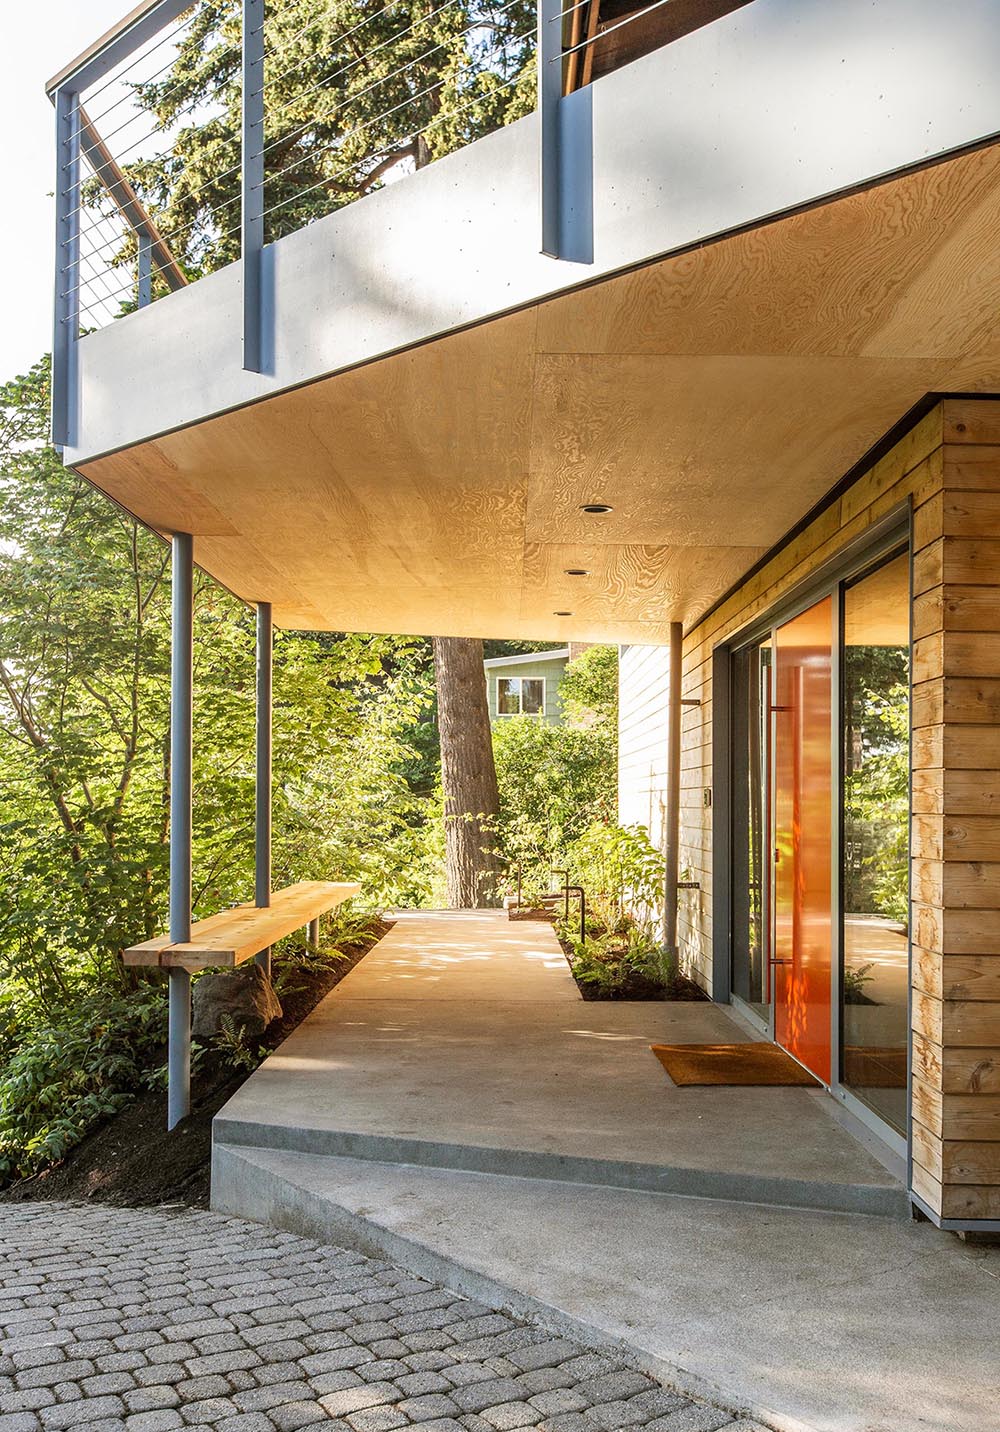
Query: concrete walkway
x,y
490,1129
461,1041
129,1320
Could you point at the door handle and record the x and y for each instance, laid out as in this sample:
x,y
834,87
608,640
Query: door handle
x,y
781,962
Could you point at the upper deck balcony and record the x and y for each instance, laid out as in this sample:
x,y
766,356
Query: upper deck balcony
x,y
705,260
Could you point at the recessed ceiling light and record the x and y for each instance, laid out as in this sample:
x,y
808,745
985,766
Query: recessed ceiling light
x,y
576,572
562,614
596,507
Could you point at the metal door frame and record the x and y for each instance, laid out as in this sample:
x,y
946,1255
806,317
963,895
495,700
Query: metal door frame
x,y
889,537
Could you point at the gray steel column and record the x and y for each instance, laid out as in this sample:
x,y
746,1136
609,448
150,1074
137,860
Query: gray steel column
x,y
144,268
262,823
252,180
67,297
312,932
550,86
672,814
181,718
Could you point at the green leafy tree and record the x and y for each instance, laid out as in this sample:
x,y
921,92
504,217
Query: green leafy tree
x,y
589,688
556,781
84,778
877,803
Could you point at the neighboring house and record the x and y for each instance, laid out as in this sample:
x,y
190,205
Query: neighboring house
x,y
526,684
744,376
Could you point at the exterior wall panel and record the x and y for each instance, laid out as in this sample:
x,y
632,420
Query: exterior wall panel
x,y
948,469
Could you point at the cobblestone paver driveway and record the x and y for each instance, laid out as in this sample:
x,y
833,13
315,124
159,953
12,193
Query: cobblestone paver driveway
x,y
148,1320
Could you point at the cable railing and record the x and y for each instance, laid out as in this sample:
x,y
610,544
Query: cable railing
x,y
203,130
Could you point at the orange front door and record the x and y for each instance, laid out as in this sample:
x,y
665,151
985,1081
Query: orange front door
x,y
803,769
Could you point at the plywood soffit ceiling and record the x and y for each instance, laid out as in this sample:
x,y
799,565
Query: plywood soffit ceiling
x,y
712,399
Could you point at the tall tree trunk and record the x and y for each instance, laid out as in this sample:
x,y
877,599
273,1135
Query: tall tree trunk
x,y
468,775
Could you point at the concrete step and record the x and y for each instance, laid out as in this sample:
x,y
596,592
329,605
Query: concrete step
x,y
882,1195
809,1321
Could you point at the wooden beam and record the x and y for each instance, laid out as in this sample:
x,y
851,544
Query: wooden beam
x,y
127,201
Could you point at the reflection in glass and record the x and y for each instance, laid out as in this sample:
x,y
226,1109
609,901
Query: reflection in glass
x,y
751,714
532,696
509,695
876,759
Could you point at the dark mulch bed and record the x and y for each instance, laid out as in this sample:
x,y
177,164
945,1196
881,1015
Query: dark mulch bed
x,y
131,1161
638,987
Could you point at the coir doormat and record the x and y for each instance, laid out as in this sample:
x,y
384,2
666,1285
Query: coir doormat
x,y
750,1064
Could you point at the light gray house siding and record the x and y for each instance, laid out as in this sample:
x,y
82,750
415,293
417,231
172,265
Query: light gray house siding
x,y
642,738
642,780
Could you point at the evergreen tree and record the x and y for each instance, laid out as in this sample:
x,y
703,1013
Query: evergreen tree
x,y
356,93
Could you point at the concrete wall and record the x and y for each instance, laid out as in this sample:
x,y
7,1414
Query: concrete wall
x,y
780,104
948,468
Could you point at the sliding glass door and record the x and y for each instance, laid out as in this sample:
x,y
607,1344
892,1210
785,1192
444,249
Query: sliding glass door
x,y
819,800
801,742
875,786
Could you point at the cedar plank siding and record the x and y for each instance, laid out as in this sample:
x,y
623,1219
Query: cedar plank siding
x,y
948,468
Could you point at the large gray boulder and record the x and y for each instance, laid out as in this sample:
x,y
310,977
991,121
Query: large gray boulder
x,y
246,995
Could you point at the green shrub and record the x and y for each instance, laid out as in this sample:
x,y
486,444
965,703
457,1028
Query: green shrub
x,y
554,782
73,1068
622,873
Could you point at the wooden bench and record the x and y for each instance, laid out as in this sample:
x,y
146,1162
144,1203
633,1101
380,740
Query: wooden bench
x,y
234,936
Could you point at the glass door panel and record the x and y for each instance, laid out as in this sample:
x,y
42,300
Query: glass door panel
x,y
802,855
876,760
751,825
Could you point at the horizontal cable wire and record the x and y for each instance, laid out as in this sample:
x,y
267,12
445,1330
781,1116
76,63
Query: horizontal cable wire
x,y
176,35
157,129
120,75
127,287
375,84
569,10
384,150
187,223
609,30
95,119
345,34
359,59
102,277
217,239
410,99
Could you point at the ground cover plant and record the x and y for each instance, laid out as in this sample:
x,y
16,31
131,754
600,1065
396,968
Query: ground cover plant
x,y
84,780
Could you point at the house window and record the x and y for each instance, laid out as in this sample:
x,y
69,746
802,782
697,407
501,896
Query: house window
x,y
520,696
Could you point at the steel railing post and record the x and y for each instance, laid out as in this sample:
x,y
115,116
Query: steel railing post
x,y
144,267
67,306
252,180
181,758
262,819
550,88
